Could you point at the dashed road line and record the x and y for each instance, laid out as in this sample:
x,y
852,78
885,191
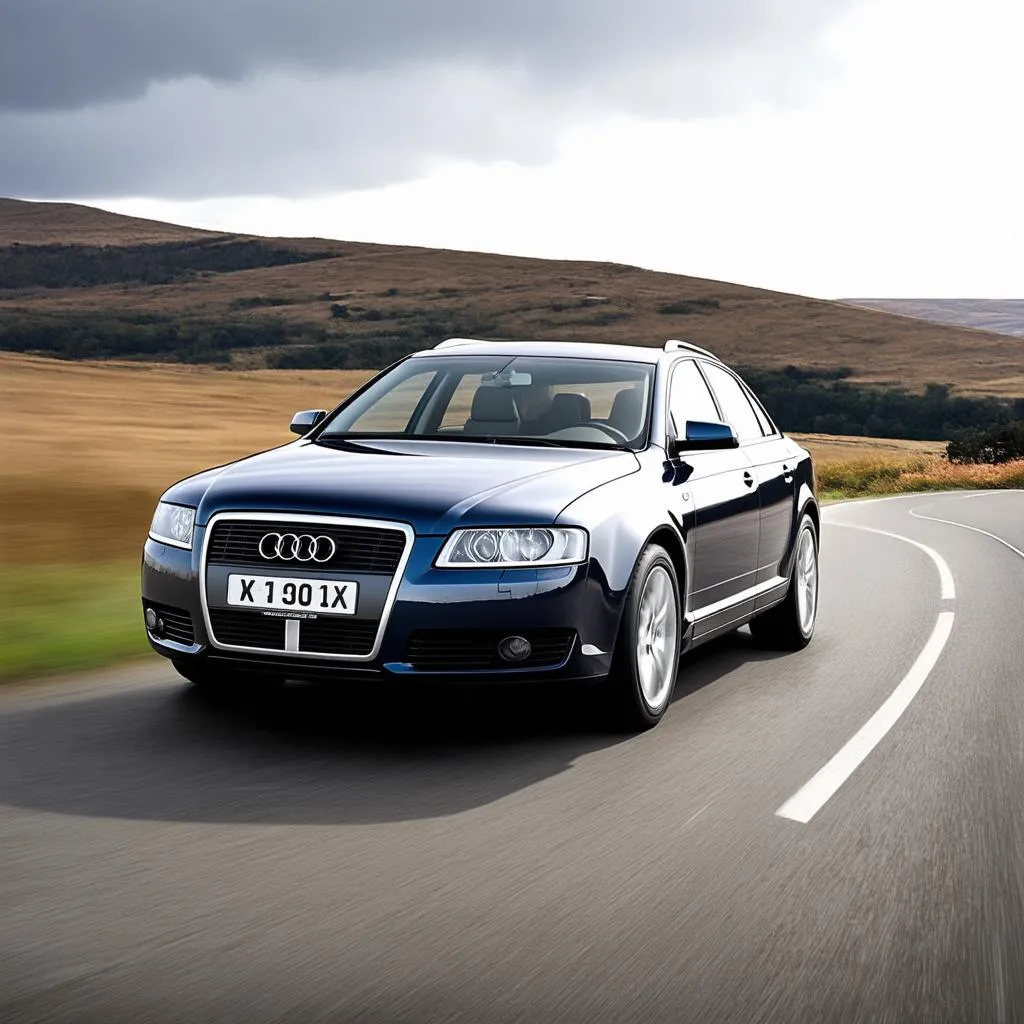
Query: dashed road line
x,y
964,526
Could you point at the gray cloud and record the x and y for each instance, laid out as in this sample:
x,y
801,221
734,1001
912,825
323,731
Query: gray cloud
x,y
202,97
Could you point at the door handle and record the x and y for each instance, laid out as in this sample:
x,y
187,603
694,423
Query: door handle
x,y
748,479
787,474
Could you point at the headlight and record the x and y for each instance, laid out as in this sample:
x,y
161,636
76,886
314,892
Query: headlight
x,y
514,547
173,524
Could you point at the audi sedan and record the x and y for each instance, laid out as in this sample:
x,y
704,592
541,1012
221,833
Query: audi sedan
x,y
494,512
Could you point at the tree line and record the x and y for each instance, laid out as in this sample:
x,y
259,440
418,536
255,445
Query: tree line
x,y
83,266
800,400
821,402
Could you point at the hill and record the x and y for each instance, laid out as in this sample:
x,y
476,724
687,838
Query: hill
x,y
1004,316
87,283
71,224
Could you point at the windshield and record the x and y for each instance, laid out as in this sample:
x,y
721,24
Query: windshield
x,y
540,400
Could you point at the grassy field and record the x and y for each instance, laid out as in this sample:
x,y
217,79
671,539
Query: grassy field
x,y
396,287
88,448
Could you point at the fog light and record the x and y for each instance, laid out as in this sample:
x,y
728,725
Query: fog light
x,y
515,648
151,619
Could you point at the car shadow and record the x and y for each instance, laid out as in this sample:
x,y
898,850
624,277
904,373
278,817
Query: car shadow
x,y
306,755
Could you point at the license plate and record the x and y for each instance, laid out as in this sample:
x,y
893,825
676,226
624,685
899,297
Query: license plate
x,y
281,593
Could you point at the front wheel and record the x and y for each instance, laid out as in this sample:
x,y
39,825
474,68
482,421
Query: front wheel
x,y
789,626
646,657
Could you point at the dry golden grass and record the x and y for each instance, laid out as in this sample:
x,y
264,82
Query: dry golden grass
x,y
830,449
550,299
888,475
88,447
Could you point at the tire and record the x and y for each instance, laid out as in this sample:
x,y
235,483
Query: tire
x,y
789,625
646,659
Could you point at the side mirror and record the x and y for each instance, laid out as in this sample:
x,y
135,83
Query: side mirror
x,y
703,435
303,422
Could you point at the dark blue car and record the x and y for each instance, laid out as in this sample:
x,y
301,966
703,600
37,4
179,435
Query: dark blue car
x,y
496,511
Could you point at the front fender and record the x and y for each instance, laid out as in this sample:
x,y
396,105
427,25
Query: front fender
x,y
622,518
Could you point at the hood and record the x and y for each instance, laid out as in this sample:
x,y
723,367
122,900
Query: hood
x,y
434,485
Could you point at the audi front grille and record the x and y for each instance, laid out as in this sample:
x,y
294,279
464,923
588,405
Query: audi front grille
x,y
357,548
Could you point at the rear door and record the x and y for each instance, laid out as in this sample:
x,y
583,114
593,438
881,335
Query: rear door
x,y
723,491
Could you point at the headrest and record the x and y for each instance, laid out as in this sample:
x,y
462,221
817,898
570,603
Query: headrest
x,y
570,407
627,411
494,405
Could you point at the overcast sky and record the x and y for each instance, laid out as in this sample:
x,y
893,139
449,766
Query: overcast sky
x,y
829,147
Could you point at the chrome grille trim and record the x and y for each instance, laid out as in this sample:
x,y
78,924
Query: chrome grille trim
x,y
302,521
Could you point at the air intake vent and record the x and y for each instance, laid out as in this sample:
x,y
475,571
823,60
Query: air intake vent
x,y
444,650
247,629
177,623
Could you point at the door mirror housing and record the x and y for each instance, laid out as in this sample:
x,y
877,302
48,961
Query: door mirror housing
x,y
303,422
703,435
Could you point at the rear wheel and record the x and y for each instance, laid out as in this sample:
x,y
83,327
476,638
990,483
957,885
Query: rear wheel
x,y
646,657
789,626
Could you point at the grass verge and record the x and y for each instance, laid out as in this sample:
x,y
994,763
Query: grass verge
x,y
65,619
867,477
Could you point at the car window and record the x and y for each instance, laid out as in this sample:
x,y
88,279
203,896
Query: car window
x,y
767,427
394,409
461,403
570,401
690,398
736,407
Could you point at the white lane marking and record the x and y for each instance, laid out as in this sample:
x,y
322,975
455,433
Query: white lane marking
x,y
811,797
695,816
945,576
1000,490
973,529
856,502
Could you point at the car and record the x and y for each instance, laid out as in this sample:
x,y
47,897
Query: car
x,y
486,512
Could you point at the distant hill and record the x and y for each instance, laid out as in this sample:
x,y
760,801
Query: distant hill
x,y
71,224
1004,316
82,283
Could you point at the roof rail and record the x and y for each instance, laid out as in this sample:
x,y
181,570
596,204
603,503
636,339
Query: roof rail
x,y
456,342
675,345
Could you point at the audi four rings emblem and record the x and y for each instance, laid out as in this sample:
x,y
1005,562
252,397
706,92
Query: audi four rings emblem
x,y
299,547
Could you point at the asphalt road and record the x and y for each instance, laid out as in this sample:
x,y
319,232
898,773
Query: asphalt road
x,y
494,857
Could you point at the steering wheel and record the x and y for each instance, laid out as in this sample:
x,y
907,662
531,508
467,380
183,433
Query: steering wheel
x,y
613,432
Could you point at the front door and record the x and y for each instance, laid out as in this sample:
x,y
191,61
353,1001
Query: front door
x,y
721,489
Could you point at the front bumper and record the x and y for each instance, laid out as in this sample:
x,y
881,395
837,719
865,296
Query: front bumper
x,y
472,605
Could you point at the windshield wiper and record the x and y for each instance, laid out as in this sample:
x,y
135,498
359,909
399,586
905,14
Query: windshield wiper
x,y
349,444
526,441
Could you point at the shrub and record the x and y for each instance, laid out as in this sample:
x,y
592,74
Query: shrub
x,y
686,306
338,311
1004,444
255,301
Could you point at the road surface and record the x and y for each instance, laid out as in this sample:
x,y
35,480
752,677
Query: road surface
x,y
834,835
